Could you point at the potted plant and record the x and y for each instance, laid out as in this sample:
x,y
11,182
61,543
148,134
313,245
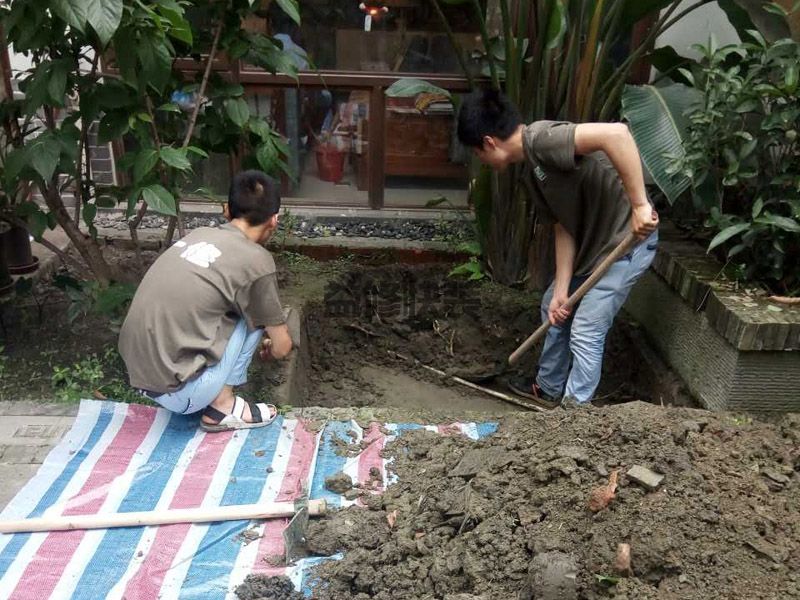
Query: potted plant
x,y
18,250
16,206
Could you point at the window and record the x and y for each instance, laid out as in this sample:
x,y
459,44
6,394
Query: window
x,y
403,36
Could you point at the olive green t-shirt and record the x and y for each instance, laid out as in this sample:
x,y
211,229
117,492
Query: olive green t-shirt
x,y
583,193
189,302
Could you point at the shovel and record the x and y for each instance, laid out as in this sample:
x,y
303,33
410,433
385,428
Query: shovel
x,y
294,535
621,250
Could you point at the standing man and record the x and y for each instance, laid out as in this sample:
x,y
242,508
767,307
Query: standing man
x,y
587,181
202,309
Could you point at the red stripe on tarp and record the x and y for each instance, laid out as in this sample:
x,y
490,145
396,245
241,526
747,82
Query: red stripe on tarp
x,y
47,566
451,429
147,581
371,458
304,447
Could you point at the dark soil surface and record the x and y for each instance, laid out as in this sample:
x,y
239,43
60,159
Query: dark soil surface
x,y
507,517
372,318
268,588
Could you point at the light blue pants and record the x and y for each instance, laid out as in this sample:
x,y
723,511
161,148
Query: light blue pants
x,y
572,357
201,391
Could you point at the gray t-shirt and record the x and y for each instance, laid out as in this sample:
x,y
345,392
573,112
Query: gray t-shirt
x,y
583,193
189,302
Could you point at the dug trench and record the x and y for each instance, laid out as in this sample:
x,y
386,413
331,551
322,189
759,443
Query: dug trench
x,y
707,504
375,327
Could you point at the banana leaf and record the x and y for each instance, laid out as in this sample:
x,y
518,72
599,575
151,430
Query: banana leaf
x,y
657,122
745,15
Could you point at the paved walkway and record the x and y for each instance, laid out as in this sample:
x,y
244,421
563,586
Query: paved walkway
x,y
28,431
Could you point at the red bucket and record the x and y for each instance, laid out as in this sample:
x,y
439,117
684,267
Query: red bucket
x,y
330,163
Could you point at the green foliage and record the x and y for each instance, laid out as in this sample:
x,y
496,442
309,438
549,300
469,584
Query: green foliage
x,y
89,297
79,380
553,59
94,376
140,41
288,222
743,158
658,123
473,270
608,580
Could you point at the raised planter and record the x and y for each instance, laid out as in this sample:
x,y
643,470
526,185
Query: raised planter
x,y
733,352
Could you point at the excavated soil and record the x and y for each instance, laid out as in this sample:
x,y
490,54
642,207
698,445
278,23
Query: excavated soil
x,y
267,588
507,517
374,322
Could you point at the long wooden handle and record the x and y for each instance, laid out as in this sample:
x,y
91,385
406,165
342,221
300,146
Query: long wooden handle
x,y
621,250
271,510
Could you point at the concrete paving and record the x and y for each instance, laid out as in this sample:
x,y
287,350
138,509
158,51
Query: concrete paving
x,y
28,431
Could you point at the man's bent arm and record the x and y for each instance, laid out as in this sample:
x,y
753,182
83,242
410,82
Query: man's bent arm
x,y
280,341
617,142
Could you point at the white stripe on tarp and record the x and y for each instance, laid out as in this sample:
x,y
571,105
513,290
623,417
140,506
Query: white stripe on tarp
x,y
117,490
164,502
470,430
280,460
15,571
52,467
351,465
173,581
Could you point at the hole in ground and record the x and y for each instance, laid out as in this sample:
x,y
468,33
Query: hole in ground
x,y
370,315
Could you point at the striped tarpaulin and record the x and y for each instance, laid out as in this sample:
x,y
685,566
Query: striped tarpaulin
x,y
123,458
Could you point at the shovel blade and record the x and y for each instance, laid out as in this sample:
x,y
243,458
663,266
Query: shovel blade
x,y
294,536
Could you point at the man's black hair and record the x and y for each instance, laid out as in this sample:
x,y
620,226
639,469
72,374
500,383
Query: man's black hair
x,y
484,113
254,196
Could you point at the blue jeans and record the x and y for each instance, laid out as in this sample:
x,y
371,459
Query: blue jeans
x,y
572,357
201,391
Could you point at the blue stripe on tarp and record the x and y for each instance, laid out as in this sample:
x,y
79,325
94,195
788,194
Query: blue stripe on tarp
x,y
308,583
401,428
115,550
51,496
486,429
329,462
211,566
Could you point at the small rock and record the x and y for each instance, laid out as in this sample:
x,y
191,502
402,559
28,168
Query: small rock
x,y
339,483
552,576
682,578
566,466
775,476
770,551
645,477
352,494
622,560
577,454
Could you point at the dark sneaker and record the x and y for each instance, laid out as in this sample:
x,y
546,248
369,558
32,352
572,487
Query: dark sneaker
x,y
528,388
569,403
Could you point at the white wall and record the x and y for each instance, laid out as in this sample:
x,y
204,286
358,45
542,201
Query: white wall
x,y
696,28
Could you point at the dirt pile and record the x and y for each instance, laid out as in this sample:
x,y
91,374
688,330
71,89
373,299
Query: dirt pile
x,y
268,588
507,517
370,315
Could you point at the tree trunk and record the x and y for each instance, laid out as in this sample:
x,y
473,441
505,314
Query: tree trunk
x,y
85,245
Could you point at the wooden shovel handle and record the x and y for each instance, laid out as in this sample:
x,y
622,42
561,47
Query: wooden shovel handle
x,y
621,250
270,510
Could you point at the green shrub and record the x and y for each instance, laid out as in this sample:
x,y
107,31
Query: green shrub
x,y
742,156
